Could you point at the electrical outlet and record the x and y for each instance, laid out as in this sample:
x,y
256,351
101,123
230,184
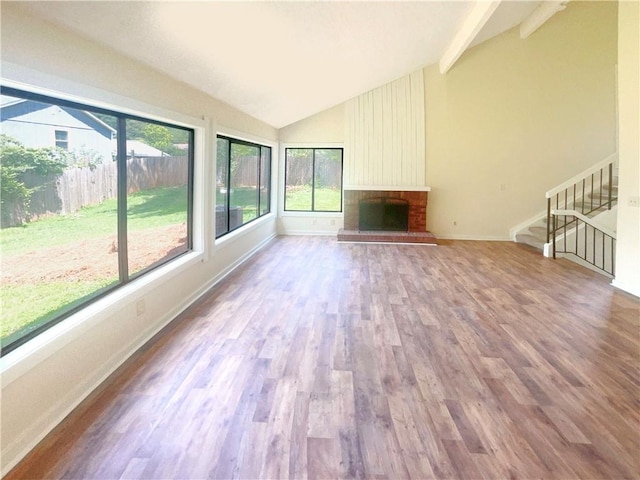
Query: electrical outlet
x,y
140,307
333,222
633,202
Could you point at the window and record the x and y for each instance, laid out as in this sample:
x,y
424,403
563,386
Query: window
x,y
79,223
62,139
313,179
243,183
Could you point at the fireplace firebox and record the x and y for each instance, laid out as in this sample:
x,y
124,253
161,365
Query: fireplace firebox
x,y
383,213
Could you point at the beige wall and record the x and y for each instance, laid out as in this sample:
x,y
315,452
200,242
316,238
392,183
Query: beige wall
x,y
47,378
513,118
628,244
324,127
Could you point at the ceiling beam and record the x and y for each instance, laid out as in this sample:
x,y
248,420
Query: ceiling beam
x,y
540,15
479,15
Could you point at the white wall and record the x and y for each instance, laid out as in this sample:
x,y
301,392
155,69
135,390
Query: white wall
x,y
628,229
513,118
47,377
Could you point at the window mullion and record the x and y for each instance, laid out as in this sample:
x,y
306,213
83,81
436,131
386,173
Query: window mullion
x,y
121,159
228,194
190,177
313,180
258,212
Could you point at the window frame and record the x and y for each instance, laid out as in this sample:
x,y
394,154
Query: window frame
x,y
125,278
62,142
313,179
234,140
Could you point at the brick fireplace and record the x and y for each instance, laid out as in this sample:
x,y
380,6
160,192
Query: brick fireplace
x,y
417,231
417,206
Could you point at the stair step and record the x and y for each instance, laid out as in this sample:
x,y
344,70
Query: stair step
x,y
539,232
530,240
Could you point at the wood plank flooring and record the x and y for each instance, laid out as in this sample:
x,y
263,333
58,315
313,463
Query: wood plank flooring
x,y
473,360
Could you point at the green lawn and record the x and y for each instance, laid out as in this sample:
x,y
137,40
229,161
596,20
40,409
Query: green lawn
x,y
146,209
25,307
326,199
29,304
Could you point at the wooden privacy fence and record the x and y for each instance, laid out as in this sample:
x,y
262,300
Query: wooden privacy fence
x,y
80,187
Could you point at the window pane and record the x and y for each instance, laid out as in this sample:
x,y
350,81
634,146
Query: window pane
x,y
222,186
328,180
265,180
157,193
59,212
299,176
243,196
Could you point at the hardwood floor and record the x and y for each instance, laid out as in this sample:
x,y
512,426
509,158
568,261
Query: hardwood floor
x,y
316,359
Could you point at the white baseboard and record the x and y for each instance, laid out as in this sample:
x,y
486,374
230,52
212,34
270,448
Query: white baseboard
x,y
482,238
310,233
630,289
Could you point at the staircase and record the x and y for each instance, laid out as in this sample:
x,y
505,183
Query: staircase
x,y
578,216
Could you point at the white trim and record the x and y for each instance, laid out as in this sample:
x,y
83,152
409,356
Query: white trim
x,y
539,16
481,238
387,188
479,15
613,158
307,233
307,214
630,289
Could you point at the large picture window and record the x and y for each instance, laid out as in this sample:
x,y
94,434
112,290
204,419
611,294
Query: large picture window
x,y
313,179
90,199
243,183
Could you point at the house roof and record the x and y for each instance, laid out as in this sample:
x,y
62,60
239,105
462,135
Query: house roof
x,y
11,108
283,61
140,149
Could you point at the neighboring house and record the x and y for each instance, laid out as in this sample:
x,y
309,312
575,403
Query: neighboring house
x,y
136,148
40,125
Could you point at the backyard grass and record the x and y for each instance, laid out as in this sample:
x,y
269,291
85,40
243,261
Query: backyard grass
x,y
326,199
145,209
30,305
26,304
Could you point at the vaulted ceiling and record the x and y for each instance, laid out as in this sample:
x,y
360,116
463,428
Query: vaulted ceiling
x,y
283,61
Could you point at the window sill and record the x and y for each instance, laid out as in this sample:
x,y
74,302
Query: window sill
x,y
37,350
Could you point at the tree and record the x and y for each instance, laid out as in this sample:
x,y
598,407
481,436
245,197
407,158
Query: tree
x,y
157,136
17,162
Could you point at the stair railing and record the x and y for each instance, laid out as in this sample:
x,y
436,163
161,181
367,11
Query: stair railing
x,y
579,193
594,244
